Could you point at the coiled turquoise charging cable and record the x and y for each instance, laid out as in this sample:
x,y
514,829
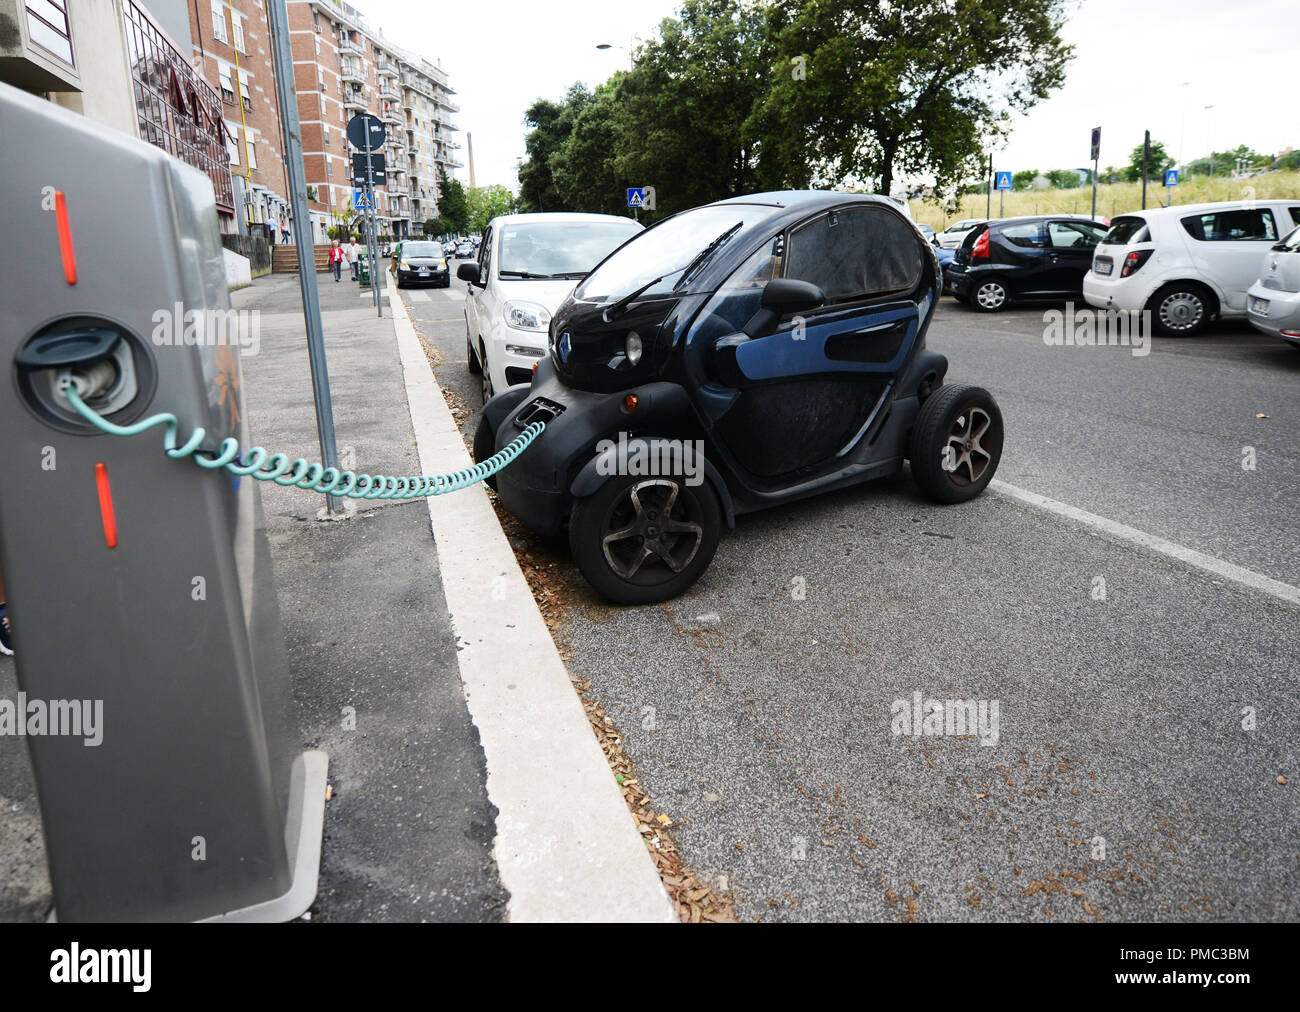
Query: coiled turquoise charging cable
x,y
311,477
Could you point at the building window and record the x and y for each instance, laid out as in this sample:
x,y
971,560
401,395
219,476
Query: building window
x,y
227,88
48,27
327,136
232,144
252,148
243,91
237,30
218,21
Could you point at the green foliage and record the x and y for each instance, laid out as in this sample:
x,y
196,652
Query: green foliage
x,y
1289,161
869,91
486,202
453,207
1156,164
1024,180
551,124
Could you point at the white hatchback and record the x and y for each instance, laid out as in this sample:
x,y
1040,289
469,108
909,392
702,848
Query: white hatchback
x,y
1186,264
952,236
527,265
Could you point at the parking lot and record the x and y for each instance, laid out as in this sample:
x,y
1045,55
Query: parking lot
x,y
1144,731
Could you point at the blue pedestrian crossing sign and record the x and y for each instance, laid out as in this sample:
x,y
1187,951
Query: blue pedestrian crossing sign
x,y
360,202
1171,177
1003,181
636,196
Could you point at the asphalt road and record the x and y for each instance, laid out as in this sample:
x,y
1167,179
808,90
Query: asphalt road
x,y
1134,770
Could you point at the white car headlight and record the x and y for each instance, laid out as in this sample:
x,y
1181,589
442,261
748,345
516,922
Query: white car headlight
x,y
633,348
404,266
527,316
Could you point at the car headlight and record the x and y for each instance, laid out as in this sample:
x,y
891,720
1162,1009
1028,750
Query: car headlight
x,y
527,316
404,266
633,348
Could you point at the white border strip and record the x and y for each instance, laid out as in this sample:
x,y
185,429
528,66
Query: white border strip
x,y
1217,567
566,845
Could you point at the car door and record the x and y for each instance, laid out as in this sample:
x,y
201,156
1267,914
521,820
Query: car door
x,y
1019,249
810,385
1070,246
475,294
1228,246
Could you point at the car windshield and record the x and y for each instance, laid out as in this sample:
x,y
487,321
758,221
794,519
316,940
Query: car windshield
x,y
421,249
559,249
662,254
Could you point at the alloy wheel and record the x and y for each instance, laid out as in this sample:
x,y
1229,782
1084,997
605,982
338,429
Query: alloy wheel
x,y
650,523
963,451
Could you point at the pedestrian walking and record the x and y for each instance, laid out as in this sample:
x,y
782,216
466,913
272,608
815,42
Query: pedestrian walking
x,y
284,232
354,252
336,261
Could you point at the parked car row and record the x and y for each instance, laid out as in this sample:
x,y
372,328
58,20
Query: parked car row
x,y
1187,265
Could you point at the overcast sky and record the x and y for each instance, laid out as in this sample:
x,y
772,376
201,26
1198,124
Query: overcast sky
x,y
1140,64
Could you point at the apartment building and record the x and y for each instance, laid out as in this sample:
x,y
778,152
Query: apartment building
x,y
232,49
124,63
344,66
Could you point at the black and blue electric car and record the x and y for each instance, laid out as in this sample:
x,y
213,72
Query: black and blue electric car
x,y
783,334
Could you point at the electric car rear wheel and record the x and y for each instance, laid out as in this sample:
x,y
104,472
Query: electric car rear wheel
x,y
642,540
956,443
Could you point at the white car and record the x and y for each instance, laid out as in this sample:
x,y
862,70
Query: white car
x,y
527,265
952,236
1273,302
1186,264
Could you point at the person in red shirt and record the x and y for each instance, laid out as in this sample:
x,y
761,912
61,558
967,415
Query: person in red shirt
x,y
336,260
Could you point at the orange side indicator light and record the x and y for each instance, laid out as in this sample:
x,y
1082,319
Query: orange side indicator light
x,y
106,505
65,237
630,402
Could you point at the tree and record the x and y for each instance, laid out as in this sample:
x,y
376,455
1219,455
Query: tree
x,y
1024,180
1159,161
452,205
584,168
551,124
1064,179
1290,160
486,202
435,226
866,91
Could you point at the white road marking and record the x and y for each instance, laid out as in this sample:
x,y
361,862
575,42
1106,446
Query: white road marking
x,y
419,296
454,293
1189,556
566,846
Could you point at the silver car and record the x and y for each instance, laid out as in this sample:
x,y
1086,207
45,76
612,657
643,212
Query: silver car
x,y
1273,302
952,236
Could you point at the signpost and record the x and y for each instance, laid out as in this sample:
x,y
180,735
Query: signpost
x,y
1003,184
1096,154
367,134
639,197
1171,180
291,131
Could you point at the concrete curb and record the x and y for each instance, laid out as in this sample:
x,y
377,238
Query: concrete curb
x,y
566,845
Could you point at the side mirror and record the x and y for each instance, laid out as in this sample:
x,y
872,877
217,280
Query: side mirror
x,y
468,272
782,297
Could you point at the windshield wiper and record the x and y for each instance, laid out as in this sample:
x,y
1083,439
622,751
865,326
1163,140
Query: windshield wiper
x,y
703,256
527,274
627,300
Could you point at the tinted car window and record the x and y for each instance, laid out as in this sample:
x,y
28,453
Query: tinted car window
x,y
1125,230
1026,234
421,249
1073,235
856,252
1241,225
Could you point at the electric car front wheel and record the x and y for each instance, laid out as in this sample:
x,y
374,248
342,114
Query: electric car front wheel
x,y
956,443
643,540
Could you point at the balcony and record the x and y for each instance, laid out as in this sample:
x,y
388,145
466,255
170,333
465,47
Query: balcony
x,y
351,72
356,100
389,93
387,69
393,115
346,45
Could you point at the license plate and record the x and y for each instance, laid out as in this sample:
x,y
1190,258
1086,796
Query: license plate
x,y
423,273
1259,306
1103,265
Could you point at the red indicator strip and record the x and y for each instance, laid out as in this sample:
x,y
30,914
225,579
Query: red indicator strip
x,y
65,237
106,505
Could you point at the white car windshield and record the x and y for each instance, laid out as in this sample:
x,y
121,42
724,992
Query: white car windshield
x,y
559,249
664,252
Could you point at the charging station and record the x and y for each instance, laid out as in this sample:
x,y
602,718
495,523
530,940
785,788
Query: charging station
x,y
136,581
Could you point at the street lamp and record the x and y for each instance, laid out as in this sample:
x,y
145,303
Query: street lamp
x,y
1210,110
604,46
